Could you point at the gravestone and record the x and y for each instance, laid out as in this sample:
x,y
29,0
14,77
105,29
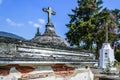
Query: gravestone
x,y
106,56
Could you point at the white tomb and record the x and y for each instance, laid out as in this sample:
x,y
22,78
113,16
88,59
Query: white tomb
x,y
106,56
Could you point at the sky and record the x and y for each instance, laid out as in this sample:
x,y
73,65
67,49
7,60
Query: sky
x,y
22,17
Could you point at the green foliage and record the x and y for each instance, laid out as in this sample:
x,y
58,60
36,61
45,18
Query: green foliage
x,y
88,22
116,12
80,20
117,53
117,56
117,64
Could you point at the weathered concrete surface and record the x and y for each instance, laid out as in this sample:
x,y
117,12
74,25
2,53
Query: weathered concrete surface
x,y
53,72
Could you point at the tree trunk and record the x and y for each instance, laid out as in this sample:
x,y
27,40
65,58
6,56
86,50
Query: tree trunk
x,y
98,50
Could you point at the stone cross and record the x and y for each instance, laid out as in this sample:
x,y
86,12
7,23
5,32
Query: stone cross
x,y
50,12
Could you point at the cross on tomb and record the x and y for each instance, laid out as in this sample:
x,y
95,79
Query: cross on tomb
x,y
50,12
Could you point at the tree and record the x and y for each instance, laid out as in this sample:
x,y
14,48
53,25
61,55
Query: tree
x,y
116,12
37,33
88,23
81,25
104,19
117,54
